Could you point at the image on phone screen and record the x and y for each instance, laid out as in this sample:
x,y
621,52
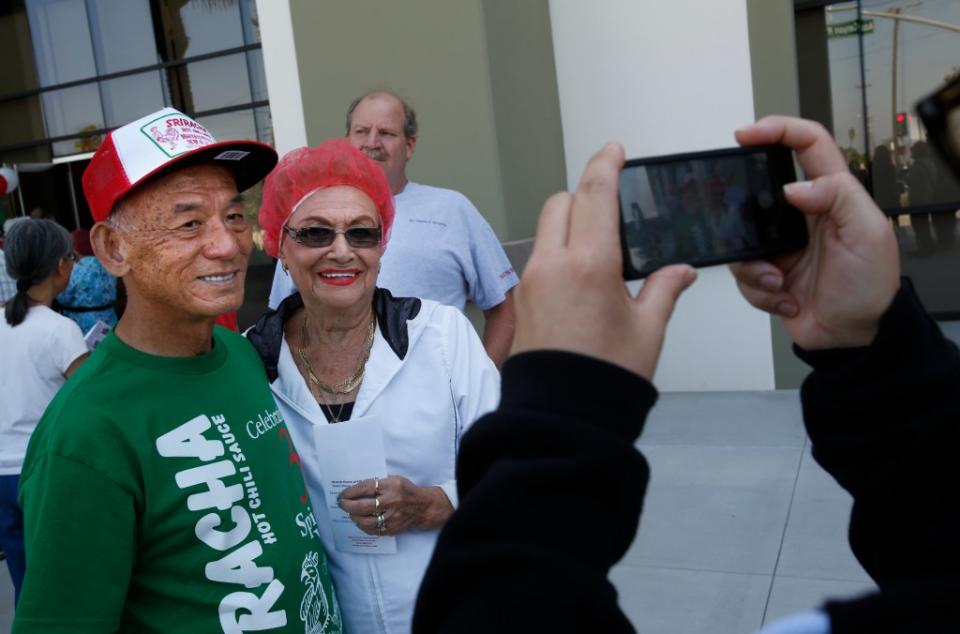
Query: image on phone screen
x,y
705,210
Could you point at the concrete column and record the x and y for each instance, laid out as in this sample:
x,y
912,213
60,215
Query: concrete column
x,y
283,79
661,78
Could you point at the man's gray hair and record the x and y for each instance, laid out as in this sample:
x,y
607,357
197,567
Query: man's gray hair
x,y
116,218
409,115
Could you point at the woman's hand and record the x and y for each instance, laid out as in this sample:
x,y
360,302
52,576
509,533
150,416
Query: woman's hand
x,y
403,505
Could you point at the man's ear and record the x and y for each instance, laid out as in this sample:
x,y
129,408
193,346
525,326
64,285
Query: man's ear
x,y
111,248
411,146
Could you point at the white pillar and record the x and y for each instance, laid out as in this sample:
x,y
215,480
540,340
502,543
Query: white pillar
x,y
666,77
283,77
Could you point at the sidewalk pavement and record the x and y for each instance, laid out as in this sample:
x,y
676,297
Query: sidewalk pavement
x,y
740,525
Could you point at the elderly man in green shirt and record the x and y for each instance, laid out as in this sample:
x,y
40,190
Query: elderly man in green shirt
x,y
148,506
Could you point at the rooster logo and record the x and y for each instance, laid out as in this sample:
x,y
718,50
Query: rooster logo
x,y
315,609
168,137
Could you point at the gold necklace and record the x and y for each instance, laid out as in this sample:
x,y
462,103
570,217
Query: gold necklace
x,y
328,412
351,383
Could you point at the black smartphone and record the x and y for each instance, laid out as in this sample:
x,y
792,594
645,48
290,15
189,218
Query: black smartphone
x,y
707,208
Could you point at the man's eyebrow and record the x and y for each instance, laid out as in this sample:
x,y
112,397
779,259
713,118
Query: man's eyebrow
x,y
183,207
239,199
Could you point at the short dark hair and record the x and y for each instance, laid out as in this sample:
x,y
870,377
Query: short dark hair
x,y
32,250
409,115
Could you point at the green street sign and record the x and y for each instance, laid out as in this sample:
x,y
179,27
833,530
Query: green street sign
x,y
851,27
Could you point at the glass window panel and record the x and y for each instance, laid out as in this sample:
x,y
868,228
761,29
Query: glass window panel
x,y
77,146
251,22
19,73
61,40
202,26
217,83
845,88
22,121
902,61
264,125
73,111
128,98
258,80
231,126
122,34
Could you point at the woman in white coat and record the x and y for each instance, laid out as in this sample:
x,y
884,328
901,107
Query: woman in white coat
x,y
342,349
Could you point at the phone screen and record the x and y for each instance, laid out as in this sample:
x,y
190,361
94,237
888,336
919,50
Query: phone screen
x,y
707,208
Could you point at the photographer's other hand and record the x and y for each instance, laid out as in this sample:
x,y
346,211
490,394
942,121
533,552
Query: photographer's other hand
x,y
572,296
832,293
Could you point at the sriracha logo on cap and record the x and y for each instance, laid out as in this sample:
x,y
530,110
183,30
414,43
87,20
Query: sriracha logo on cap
x,y
175,134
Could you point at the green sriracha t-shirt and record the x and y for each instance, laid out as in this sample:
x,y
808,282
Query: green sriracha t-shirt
x,y
163,494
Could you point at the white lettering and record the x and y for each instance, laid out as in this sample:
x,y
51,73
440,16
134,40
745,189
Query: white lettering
x,y
187,441
224,540
217,495
239,567
307,523
259,618
264,423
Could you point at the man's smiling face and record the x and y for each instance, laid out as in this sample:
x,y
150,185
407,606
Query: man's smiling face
x,y
187,243
377,130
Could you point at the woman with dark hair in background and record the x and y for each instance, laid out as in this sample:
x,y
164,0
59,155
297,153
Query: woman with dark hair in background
x,y
91,295
41,349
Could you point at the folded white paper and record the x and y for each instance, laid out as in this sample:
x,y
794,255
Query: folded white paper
x,y
349,452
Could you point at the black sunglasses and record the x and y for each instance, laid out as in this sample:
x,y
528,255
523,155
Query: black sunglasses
x,y
940,113
316,237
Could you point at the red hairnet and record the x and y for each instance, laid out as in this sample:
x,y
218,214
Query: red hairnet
x,y
305,170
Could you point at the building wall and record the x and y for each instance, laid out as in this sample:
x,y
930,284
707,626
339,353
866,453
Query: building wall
x,y
776,90
514,97
282,72
662,78
526,107
479,75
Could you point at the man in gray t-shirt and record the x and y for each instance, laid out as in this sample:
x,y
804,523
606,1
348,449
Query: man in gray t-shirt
x,y
441,248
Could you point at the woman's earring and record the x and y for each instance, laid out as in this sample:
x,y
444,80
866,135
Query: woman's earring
x,y
283,265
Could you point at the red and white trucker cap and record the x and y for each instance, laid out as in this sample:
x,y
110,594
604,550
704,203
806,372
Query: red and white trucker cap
x,y
138,151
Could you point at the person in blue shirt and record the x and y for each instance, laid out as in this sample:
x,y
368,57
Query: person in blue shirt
x,y
91,295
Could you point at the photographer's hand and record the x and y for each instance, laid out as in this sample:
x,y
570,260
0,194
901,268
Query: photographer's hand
x,y
572,296
833,293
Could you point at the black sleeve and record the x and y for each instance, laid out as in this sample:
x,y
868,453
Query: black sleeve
x,y
551,489
883,420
